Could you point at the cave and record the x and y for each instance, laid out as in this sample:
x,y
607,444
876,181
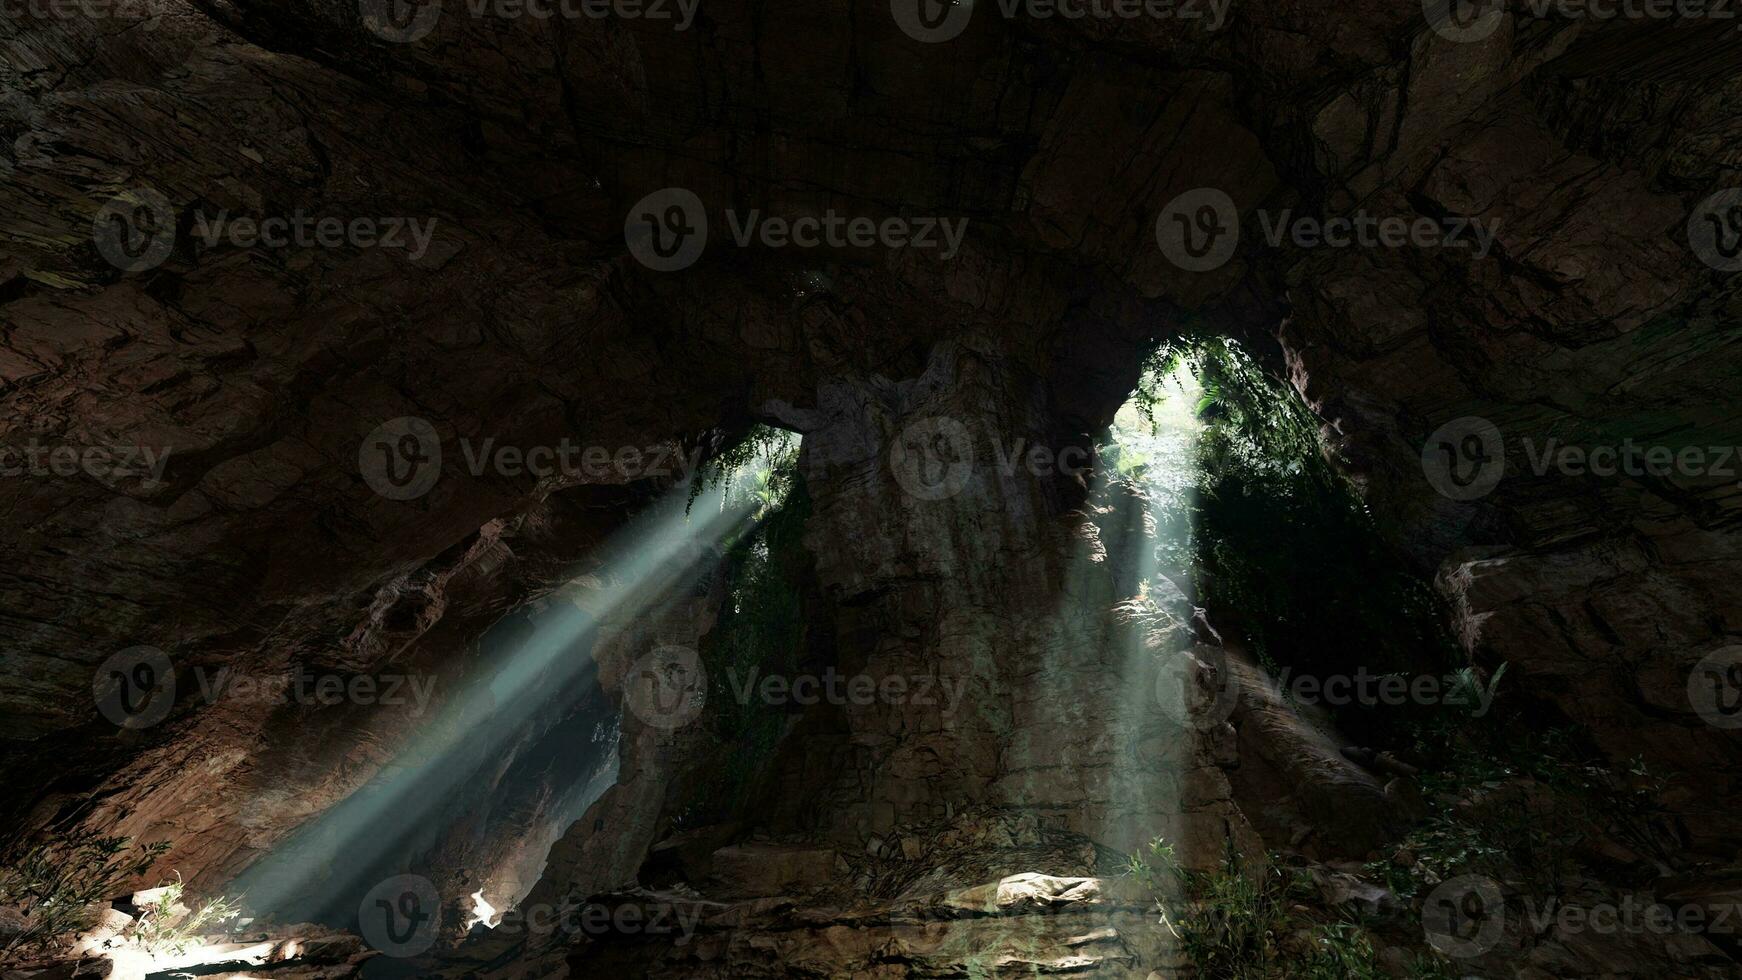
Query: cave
x,y
521,489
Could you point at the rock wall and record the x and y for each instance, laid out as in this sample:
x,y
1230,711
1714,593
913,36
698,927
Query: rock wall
x,y
261,371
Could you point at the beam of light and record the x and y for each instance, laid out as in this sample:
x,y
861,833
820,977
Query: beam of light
x,y
483,912
134,962
1158,455
328,866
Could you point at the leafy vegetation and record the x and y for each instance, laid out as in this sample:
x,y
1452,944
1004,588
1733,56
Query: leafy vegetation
x,y
1237,924
1253,518
1549,793
166,926
763,464
760,631
60,886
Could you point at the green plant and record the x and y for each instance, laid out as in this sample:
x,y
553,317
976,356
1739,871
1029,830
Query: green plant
x,y
1229,923
1246,500
1235,922
59,885
166,926
1468,691
1565,793
759,632
1427,966
735,467
1341,950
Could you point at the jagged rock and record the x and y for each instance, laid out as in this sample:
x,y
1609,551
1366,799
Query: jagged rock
x,y
771,869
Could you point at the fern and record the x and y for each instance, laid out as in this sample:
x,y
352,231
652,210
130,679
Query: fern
x,y
60,885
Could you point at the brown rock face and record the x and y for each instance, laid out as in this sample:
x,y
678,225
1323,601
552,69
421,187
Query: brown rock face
x,y
234,382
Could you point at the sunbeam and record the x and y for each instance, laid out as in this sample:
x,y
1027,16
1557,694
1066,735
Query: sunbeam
x,y
323,871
